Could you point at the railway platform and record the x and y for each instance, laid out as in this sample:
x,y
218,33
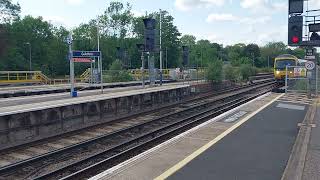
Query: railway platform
x,y
266,138
31,119
15,91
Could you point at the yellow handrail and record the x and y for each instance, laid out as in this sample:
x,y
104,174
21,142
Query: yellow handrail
x,y
12,77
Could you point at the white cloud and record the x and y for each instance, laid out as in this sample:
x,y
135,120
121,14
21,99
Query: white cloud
x,y
264,6
249,4
137,13
58,21
280,6
220,17
186,5
241,20
74,2
258,20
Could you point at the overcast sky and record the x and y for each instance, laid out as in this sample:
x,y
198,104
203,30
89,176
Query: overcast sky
x,y
221,21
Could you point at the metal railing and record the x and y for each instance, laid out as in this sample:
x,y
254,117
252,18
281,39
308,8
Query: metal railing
x,y
16,77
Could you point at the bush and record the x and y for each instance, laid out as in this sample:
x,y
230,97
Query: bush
x,y
116,74
265,70
247,70
214,71
231,73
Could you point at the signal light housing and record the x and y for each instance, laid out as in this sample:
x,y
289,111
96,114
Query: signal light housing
x,y
295,28
149,34
296,6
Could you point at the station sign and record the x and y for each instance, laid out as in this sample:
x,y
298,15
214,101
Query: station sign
x,y
82,60
86,54
300,72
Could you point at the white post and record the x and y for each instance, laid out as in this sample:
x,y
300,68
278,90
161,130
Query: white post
x,y
98,48
142,70
317,78
286,80
100,57
101,73
166,58
91,74
71,65
160,48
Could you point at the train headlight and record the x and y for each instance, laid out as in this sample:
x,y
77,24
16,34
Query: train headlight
x,y
277,72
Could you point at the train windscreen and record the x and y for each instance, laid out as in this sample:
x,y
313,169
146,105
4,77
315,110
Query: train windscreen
x,y
281,64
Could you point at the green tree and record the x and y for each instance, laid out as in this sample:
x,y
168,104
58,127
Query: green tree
x,y
231,73
188,40
8,11
214,70
247,70
252,51
117,74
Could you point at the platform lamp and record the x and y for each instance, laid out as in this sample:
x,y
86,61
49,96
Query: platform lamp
x,y
141,48
30,60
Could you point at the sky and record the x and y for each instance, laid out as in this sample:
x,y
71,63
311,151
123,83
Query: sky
x,y
222,21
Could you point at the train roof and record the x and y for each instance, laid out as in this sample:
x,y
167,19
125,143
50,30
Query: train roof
x,y
286,56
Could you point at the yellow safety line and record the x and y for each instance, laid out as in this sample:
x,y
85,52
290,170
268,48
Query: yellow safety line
x,y
189,158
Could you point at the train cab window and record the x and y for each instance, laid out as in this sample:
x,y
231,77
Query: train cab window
x,y
281,64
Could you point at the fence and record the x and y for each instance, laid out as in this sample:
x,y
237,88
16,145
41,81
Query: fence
x,y
300,80
20,77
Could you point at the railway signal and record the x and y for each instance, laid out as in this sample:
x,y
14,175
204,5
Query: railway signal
x,y
295,28
149,34
295,22
296,6
185,55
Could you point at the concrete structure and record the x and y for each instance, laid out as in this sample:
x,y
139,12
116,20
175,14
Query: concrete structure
x,y
14,91
29,122
232,139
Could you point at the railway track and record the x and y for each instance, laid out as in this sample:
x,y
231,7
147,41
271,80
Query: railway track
x,y
128,136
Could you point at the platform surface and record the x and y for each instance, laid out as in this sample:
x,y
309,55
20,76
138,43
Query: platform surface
x,y
312,163
257,149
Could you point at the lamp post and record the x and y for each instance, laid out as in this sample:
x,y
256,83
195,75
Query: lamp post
x,y
161,48
141,48
30,60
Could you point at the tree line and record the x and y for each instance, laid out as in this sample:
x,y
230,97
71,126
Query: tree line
x,y
118,27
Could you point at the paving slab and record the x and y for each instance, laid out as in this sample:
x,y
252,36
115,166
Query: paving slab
x,y
312,163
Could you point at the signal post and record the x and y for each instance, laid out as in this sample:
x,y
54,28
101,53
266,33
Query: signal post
x,y
298,19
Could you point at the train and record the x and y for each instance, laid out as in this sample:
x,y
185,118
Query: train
x,y
280,64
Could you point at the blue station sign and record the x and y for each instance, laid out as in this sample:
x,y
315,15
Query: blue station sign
x,y
86,54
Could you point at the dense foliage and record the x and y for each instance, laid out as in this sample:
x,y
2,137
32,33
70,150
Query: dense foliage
x,y
118,28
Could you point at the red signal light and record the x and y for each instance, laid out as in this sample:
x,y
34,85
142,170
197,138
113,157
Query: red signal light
x,y
295,39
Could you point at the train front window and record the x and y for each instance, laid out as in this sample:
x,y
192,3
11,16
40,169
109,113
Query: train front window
x,y
281,64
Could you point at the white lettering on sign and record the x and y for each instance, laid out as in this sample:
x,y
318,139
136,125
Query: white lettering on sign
x,y
86,54
310,57
235,117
